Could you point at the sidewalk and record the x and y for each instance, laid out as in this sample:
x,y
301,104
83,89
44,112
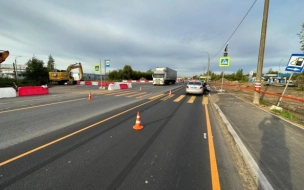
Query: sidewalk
x,y
272,147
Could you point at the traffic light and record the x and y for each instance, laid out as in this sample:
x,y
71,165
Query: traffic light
x,y
226,51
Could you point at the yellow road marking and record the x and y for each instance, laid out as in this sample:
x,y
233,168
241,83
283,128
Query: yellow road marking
x,y
128,93
179,98
41,105
69,135
143,95
167,97
214,171
191,100
137,94
205,100
154,97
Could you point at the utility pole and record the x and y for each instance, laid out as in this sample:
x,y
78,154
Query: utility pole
x,y
208,65
256,96
16,70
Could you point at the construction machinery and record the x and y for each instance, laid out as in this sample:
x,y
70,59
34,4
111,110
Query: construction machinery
x,y
66,76
3,55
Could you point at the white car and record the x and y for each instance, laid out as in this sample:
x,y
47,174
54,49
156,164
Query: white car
x,y
194,87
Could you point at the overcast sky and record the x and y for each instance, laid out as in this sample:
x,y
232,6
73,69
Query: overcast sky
x,y
150,33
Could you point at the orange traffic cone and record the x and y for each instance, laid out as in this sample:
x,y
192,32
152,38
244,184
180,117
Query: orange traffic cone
x,y
170,93
138,125
90,97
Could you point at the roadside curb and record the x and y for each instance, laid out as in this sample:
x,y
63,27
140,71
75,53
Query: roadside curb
x,y
256,173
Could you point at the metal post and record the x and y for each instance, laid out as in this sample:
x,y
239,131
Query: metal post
x,y
208,64
222,80
256,96
284,90
100,73
105,68
280,67
16,70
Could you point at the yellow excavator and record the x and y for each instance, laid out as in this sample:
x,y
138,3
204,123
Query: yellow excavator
x,y
66,76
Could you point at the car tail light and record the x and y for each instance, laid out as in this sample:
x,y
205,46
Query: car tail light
x,y
187,86
201,87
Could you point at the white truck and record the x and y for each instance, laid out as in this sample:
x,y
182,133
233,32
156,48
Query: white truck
x,y
164,76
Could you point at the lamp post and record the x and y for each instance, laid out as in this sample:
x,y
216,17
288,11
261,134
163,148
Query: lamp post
x,y
208,64
16,68
280,66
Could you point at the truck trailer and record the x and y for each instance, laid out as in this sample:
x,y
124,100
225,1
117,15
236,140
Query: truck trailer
x,y
164,76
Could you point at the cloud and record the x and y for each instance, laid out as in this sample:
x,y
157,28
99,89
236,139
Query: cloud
x,y
147,34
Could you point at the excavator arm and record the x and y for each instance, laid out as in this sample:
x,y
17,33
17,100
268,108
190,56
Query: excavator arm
x,y
3,55
65,76
75,66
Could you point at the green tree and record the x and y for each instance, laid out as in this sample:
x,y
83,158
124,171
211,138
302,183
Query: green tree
x,y
270,71
35,72
51,64
300,78
127,72
239,75
301,35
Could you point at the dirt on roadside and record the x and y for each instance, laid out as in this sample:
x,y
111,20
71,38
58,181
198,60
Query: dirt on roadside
x,y
245,91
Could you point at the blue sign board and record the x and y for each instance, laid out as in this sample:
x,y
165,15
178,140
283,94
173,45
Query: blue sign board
x,y
295,63
107,63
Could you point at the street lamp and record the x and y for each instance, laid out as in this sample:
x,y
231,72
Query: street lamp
x,y
16,68
208,63
280,66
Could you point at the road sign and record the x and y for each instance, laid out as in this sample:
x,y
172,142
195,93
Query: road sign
x,y
97,68
257,86
108,63
224,62
295,63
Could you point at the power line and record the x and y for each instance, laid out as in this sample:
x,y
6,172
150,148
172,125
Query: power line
x,y
235,29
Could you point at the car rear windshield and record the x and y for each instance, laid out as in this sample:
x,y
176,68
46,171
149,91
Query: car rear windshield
x,y
195,83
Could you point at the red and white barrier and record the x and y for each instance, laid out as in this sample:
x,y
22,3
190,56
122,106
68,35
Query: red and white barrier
x,y
32,90
137,81
119,85
94,83
7,92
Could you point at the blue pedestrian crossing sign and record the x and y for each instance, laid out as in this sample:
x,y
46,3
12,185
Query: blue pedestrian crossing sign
x,y
224,61
107,62
295,63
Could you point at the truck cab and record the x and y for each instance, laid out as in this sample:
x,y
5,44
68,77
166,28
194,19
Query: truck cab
x,y
164,76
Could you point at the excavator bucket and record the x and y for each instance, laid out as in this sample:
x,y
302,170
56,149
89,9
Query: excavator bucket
x,y
3,55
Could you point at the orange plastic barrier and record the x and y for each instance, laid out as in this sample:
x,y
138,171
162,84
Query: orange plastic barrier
x,y
32,90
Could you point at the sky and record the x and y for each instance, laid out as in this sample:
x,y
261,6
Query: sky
x,y
146,34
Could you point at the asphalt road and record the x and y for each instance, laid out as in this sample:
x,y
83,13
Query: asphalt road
x,y
64,141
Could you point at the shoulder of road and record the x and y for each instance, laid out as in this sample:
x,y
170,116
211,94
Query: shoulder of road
x,y
271,146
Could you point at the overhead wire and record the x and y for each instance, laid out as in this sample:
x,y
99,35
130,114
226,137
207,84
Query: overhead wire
x,y
235,29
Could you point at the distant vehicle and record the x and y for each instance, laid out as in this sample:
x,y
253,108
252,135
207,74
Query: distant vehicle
x,y
66,76
180,80
204,78
290,84
164,76
194,87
